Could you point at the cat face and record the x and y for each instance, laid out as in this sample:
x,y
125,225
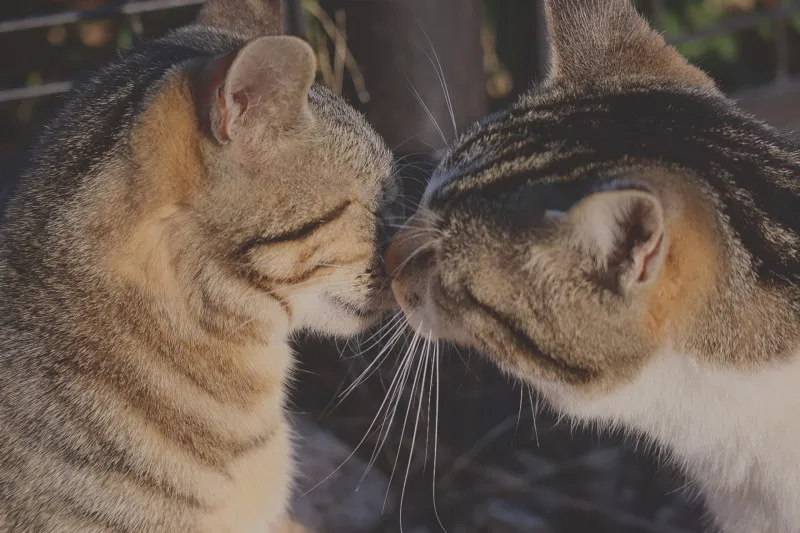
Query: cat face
x,y
307,182
575,234
254,186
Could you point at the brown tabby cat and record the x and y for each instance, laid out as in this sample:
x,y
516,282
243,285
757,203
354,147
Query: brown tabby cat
x,y
627,241
194,203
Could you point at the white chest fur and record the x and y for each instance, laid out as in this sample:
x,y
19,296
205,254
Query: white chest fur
x,y
254,494
260,490
736,434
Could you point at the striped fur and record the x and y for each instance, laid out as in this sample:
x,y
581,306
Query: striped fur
x,y
628,241
193,205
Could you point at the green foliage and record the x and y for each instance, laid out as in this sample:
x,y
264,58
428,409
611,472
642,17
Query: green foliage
x,y
735,59
125,39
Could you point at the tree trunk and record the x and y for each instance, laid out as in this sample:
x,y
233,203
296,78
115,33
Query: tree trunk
x,y
294,18
521,42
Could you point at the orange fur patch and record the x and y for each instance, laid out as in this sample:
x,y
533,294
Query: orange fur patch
x,y
688,274
167,144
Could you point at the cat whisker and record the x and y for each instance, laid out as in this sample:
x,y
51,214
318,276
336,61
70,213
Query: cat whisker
x,y
401,159
415,235
420,166
386,327
415,227
535,413
403,431
427,111
358,446
388,421
403,201
424,366
395,392
428,415
519,411
376,362
436,358
440,74
404,141
395,325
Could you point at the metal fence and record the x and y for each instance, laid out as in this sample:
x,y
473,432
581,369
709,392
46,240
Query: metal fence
x,y
778,101
782,93
130,9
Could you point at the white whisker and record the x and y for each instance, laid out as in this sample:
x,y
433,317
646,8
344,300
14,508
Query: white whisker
x,y
424,365
357,447
427,111
399,327
436,356
387,327
440,74
535,412
428,414
403,434
395,393
519,412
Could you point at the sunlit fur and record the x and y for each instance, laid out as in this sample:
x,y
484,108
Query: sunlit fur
x,y
194,204
627,241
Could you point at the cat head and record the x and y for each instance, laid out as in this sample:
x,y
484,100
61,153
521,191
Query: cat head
x,y
579,232
208,173
298,184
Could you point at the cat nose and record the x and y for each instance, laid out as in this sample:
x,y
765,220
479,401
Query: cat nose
x,y
407,243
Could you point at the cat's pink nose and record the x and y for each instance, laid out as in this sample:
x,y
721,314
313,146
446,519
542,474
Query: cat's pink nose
x,y
405,244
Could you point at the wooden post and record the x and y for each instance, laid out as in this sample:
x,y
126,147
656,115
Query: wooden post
x,y
399,45
521,42
294,18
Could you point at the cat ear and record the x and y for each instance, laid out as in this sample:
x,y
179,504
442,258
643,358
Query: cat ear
x,y
623,230
263,86
601,39
250,18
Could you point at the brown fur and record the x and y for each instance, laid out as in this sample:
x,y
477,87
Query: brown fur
x,y
486,244
687,277
626,241
147,306
248,17
614,46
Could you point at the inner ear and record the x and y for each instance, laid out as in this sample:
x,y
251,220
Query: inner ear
x,y
623,230
263,86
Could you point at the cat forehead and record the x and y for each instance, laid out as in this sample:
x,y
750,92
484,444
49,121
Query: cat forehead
x,y
348,134
563,138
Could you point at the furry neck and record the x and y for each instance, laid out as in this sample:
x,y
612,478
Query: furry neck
x,y
735,432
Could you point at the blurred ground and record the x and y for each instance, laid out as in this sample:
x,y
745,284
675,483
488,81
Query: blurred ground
x,y
495,471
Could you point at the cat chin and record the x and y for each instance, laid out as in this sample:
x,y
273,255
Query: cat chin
x,y
330,315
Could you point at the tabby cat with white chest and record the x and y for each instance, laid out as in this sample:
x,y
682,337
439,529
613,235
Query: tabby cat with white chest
x,y
194,204
627,241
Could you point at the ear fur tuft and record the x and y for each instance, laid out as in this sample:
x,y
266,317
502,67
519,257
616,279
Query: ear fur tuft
x,y
250,18
262,86
591,40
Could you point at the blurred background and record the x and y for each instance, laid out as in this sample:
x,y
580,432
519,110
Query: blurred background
x,y
406,64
